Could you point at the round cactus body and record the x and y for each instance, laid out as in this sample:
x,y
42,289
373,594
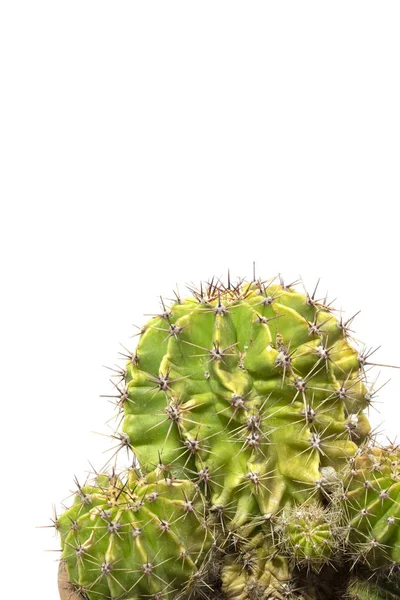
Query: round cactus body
x,y
250,390
309,534
141,538
372,506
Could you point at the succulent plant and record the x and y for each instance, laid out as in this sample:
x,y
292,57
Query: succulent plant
x,y
369,590
310,534
371,502
249,389
256,475
130,539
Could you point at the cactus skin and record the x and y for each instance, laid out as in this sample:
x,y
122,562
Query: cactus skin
x,y
309,535
367,590
372,506
256,572
142,538
250,390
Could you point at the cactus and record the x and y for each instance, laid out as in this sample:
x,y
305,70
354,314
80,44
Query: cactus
x,y
245,406
130,539
371,501
250,389
368,590
310,535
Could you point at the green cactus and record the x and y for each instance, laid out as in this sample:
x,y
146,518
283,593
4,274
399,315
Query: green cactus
x,y
368,590
245,407
310,534
250,389
371,501
137,538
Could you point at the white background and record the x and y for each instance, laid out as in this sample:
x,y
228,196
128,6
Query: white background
x,y
149,144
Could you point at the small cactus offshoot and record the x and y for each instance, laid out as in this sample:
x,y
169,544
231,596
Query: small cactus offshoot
x,y
310,534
